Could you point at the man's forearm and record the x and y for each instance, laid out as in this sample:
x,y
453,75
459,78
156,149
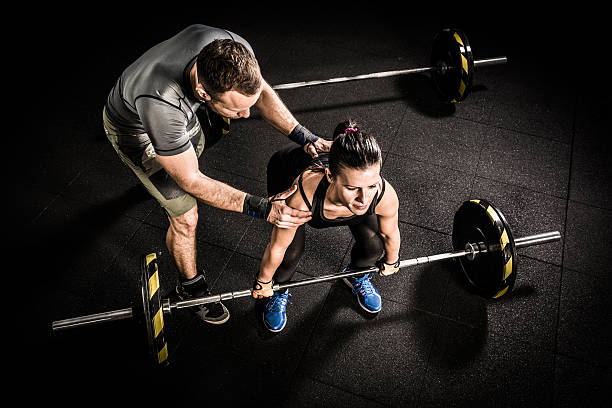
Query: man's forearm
x,y
216,193
274,111
220,195
183,168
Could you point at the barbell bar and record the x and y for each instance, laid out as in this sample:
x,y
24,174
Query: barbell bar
x,y
452,66
483,244
482,241
471,251
383,74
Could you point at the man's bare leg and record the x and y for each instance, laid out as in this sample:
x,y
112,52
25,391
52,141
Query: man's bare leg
x,y
181,242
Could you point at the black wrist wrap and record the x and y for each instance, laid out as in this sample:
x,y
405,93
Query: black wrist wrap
x,y
301,135
255,206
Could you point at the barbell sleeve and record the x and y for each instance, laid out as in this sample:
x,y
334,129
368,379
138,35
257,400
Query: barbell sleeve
x,y
520,242
537,239
490,61
181,304
92,319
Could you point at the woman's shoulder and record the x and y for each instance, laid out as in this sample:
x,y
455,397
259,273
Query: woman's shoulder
x,y
389,200
307,184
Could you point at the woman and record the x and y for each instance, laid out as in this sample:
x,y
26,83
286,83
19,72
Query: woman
x,y
342,187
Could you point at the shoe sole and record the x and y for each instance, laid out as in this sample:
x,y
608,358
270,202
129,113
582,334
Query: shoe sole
x,y
263,317
223,320
350,285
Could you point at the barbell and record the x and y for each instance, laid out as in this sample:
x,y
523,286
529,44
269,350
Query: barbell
x,y
452,67
482,243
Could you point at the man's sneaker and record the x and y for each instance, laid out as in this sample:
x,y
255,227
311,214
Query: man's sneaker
x,y
274,314
215,313
367,294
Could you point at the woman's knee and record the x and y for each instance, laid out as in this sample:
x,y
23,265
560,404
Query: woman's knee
x,y
368,253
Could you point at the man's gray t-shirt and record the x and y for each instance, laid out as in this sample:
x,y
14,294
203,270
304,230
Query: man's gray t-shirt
x,y
153,100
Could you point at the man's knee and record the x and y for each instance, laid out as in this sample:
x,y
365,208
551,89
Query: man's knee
x,y
186,223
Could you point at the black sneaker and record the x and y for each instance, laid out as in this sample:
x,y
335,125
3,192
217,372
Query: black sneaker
x,y
214,313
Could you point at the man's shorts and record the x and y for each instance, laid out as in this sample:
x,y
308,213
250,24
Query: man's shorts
x,y
150,173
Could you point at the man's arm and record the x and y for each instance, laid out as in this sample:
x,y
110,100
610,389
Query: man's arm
x,y
274,111
183,168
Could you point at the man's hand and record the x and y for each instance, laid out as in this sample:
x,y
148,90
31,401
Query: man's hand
x,y
319,145
284,216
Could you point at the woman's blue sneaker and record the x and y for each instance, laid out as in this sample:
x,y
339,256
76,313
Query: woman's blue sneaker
x,y
274,314
367,294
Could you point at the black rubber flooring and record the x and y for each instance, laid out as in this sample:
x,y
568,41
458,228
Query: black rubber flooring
x,y
533,138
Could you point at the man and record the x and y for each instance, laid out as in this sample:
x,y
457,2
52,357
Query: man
x,y
150,119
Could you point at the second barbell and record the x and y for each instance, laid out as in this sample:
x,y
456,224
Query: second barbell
x,y
452,68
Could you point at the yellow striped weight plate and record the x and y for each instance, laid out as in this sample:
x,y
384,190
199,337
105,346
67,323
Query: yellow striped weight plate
x,y
153,310
452,54
493,274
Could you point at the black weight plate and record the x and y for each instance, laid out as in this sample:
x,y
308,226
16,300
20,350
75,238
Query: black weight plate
x,y
153,311
452,54
491,274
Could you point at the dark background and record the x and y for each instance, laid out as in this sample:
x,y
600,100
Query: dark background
x,y
533,138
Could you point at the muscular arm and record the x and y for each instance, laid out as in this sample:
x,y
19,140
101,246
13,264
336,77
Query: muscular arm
x,y
183,168
165,125
274,111
273,256
280,240
387,211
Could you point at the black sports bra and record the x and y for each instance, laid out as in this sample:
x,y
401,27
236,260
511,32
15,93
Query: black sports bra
x,y
319,220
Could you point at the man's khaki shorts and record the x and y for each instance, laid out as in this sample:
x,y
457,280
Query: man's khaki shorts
x,y
155,179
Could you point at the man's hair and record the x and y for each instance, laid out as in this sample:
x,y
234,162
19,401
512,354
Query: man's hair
x,y
352,148
226,65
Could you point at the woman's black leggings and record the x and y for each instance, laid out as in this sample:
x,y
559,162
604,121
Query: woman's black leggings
x,y
284,166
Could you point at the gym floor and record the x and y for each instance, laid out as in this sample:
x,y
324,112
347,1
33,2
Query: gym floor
x,y
532,138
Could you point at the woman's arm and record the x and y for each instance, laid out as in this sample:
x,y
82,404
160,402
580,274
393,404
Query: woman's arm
x,y
274,253
273,256
388,220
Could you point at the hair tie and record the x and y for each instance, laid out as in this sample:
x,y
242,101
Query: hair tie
x,y
350,129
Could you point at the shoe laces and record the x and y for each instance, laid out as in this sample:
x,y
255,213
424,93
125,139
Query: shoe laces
x,y
363,285
278,302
